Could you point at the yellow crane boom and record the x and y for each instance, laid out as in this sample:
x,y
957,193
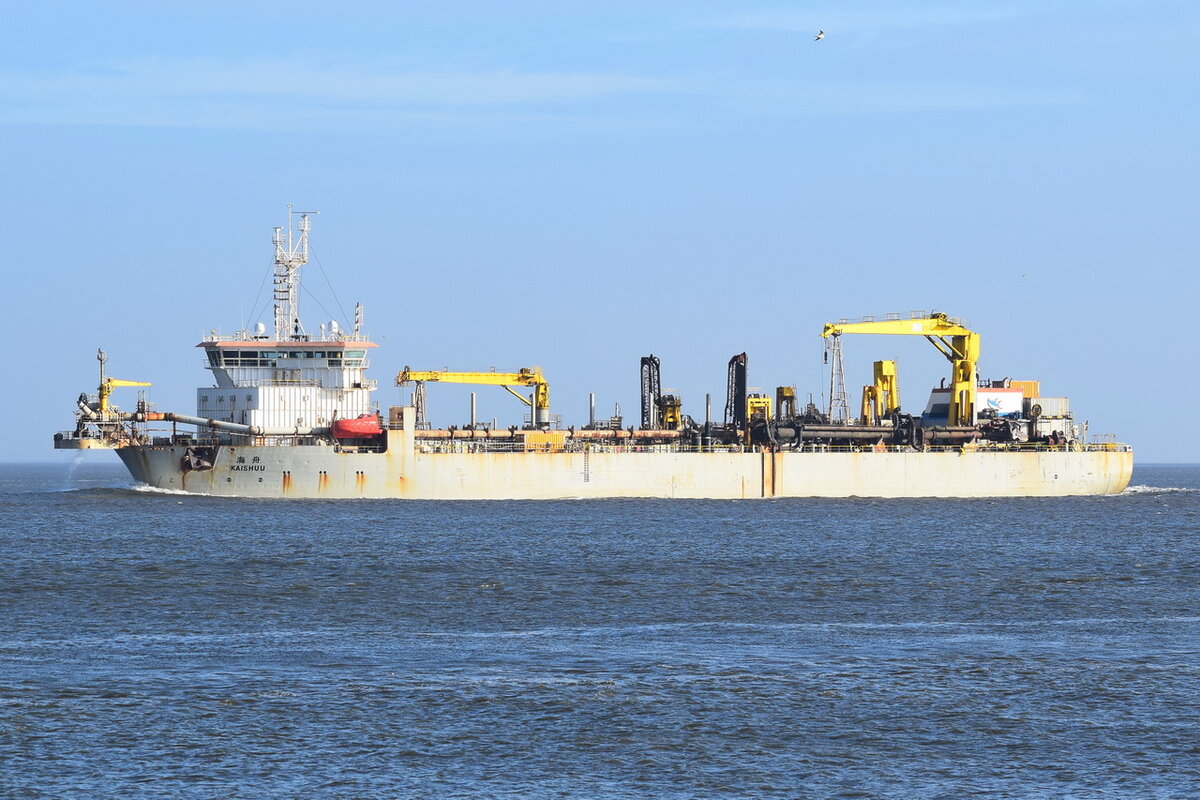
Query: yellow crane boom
x,y
527,376
106,389
958,344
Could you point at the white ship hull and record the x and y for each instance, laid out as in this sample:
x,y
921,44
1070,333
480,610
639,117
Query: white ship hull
x,y
404,472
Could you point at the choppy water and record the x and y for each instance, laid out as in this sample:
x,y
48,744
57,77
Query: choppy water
x,y
157,645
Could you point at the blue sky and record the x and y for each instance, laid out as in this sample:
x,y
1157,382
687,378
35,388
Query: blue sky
x,y
577,185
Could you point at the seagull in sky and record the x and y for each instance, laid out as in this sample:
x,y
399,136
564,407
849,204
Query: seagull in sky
x,y
820,35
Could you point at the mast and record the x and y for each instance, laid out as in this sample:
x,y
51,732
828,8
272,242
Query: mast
x,y
839,406
290,255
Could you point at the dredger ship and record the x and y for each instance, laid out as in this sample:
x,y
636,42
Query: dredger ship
x,y
291,414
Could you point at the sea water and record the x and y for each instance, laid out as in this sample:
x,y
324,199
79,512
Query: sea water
x,y
164,645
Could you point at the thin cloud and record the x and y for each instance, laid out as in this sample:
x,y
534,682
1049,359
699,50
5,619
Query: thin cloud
x,y
273,94
173,91
863,22
796,101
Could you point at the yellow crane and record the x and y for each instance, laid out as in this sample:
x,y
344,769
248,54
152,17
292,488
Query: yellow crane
x,y
107,385
958,344
527,376
881,398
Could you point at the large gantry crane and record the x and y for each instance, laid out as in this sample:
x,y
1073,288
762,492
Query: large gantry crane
x,y
958,344
527,376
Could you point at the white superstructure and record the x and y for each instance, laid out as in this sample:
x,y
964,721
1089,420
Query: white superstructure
x,y
292,384
290,381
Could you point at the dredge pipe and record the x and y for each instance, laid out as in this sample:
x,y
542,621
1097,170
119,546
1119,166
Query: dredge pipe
x,y
87,410
220,425
624,434
858,433
939,435
950,435
493,433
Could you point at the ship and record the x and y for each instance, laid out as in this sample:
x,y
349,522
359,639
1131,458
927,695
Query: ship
x,y
292,414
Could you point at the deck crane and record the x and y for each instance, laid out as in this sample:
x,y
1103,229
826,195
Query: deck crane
x,y
882,398
526,376
958,344
105,389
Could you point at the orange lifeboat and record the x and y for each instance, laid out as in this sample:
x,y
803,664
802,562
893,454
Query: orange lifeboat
x,y
364,426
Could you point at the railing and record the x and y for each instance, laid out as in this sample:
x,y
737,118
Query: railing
x,y
369,384
255,383
894,316
380,447
183,440
1115,447
251,336
458,446
454,446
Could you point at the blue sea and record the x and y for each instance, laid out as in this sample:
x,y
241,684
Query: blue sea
x,y
162,645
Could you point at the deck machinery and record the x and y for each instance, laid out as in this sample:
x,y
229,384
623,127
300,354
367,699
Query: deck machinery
x,y
754,419
750,418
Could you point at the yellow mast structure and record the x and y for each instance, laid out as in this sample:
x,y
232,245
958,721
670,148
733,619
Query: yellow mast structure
x,y
958,344
880,399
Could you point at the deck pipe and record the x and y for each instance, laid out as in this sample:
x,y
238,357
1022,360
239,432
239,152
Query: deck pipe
x,y
219,424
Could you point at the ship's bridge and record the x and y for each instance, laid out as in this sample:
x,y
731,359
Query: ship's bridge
x,y
238,362
299,382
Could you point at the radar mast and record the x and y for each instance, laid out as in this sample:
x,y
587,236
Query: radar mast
x,y
290,255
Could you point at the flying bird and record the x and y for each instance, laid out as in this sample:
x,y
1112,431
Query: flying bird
x,y
820,35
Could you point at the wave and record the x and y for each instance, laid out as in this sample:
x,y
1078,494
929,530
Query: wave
x,y
1140,489
145,487
900,625
99,487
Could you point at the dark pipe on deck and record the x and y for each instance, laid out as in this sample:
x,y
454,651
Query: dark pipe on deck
x,y
873,433
492,433
219,424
